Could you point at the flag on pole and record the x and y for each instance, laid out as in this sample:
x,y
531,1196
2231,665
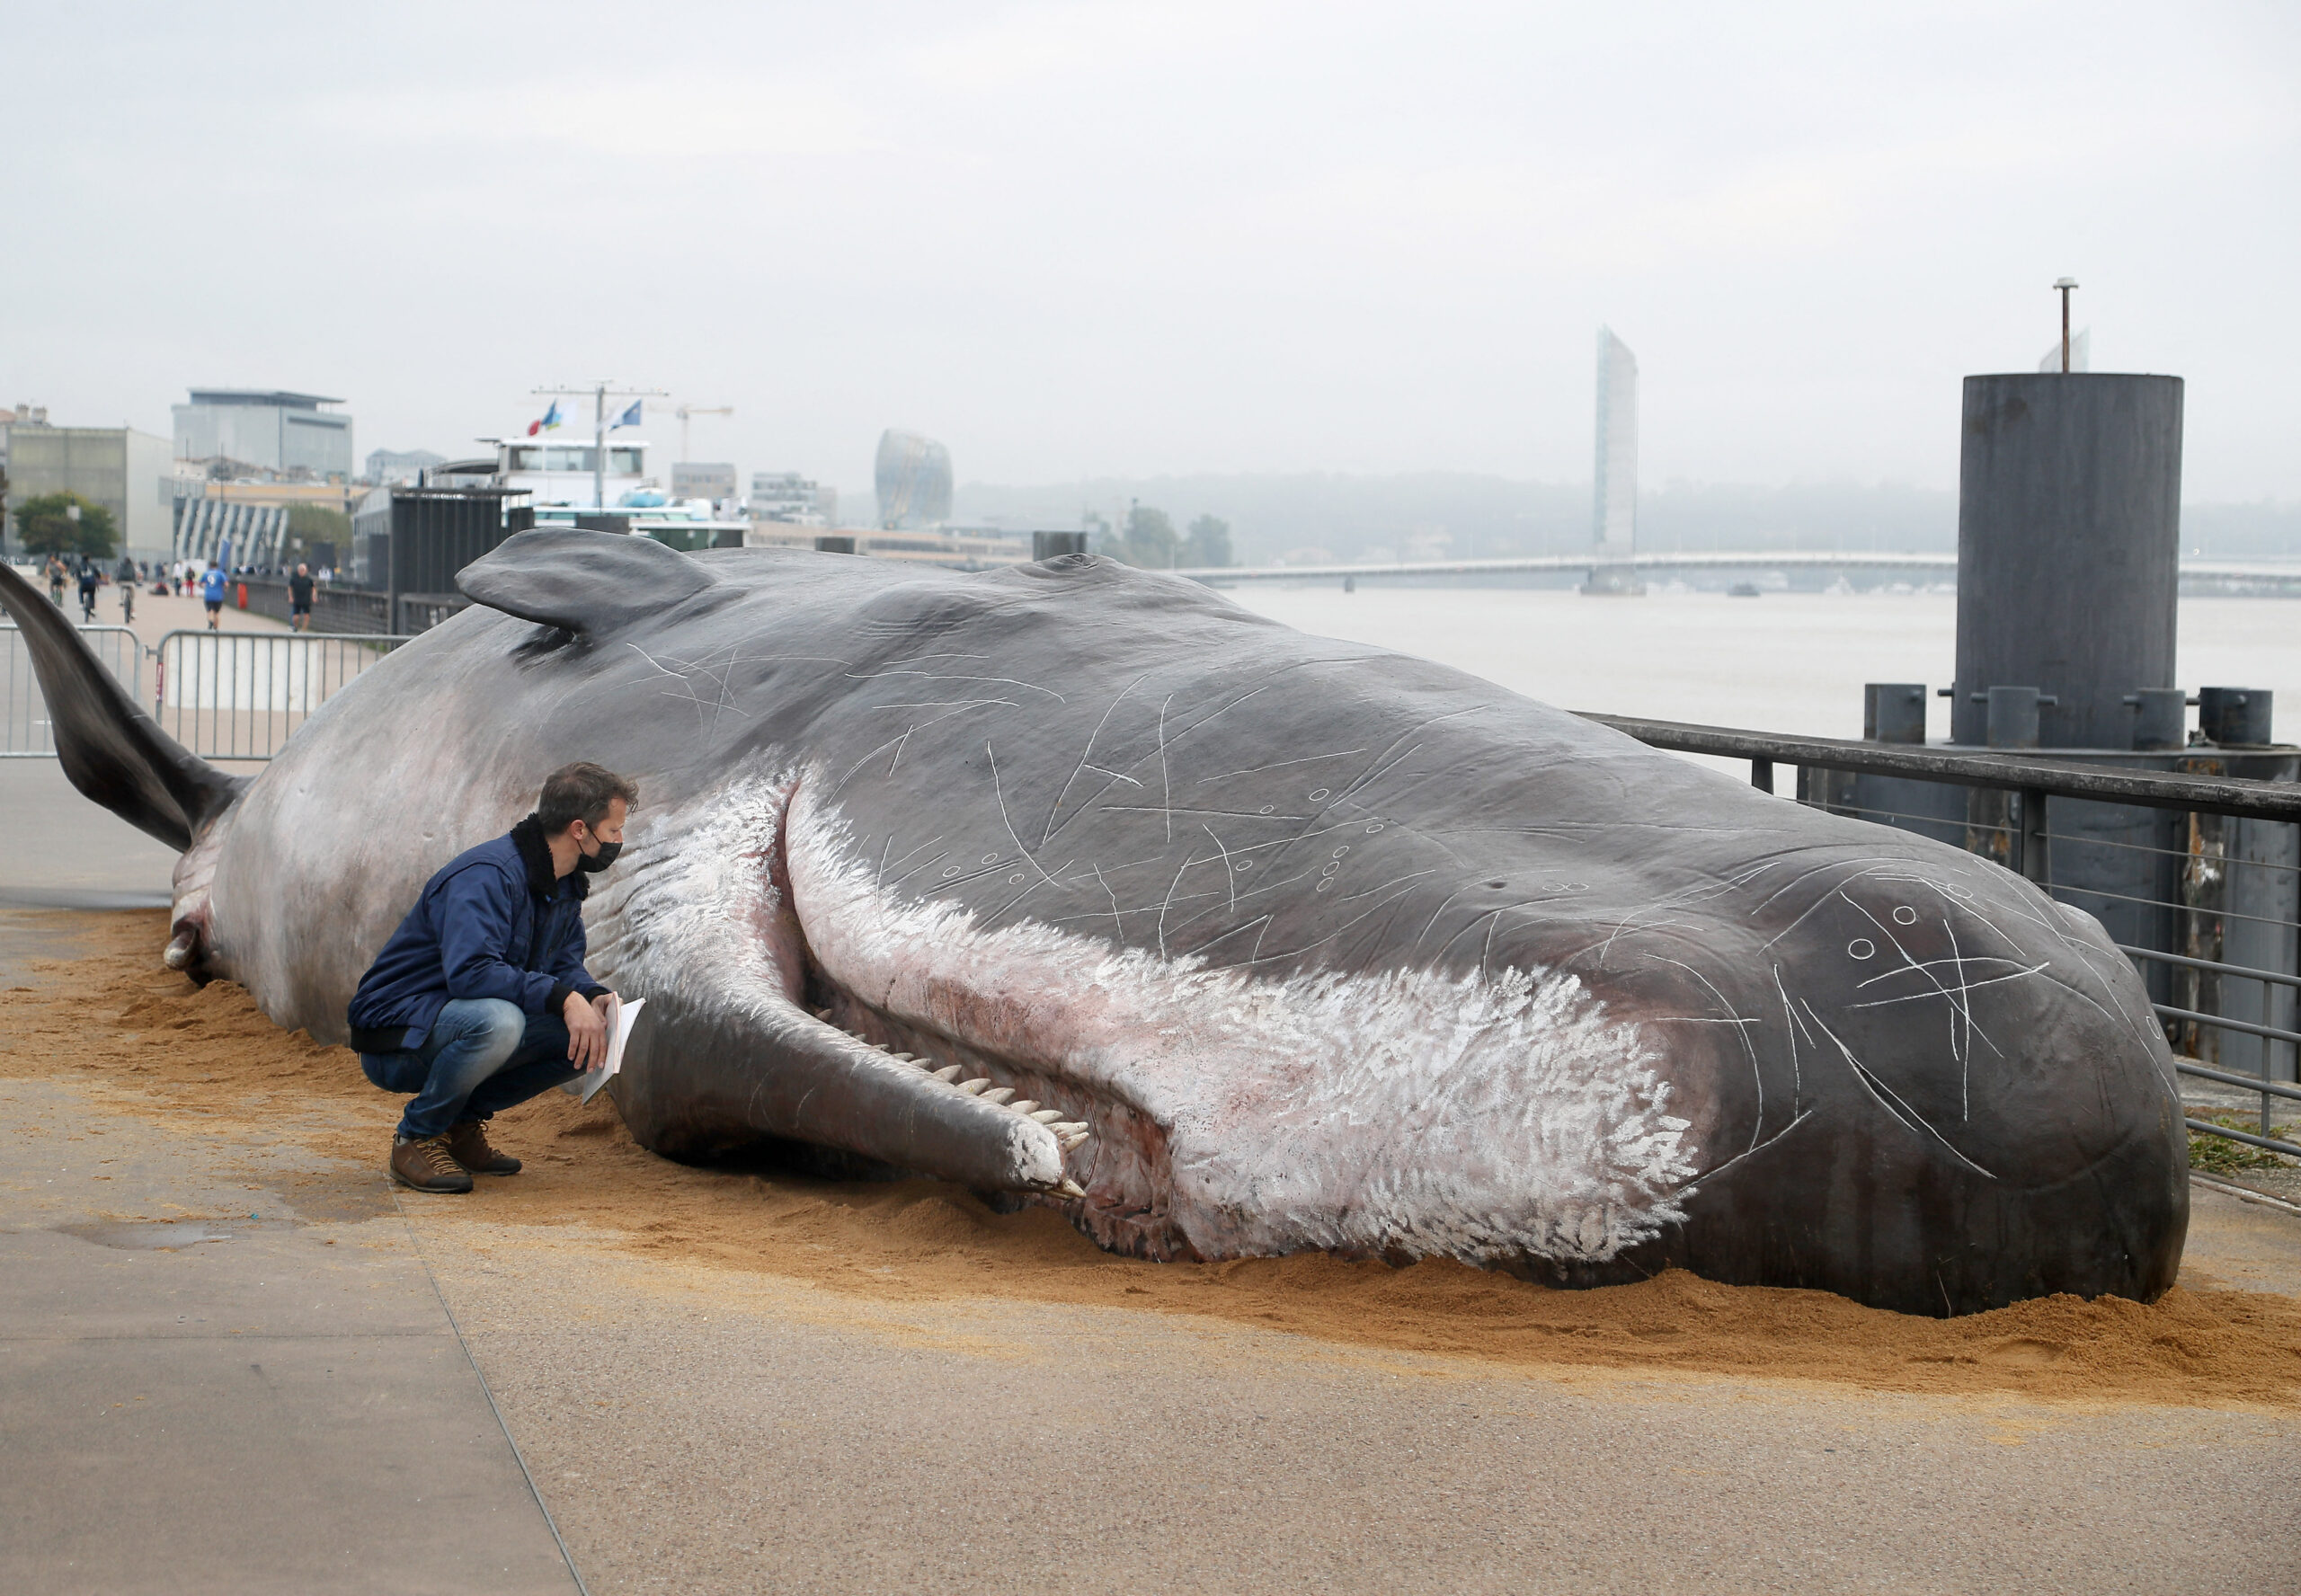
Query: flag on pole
x,y
549,420
630,418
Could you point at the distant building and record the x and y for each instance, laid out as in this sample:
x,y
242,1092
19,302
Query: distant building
x,y
1614,510
130,473
386,468
267,428
787,496
912,477
26,414
703,479
228,531
30,416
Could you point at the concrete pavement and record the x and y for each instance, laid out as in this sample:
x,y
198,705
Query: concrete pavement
x,y
64,852
697,1429
220,1375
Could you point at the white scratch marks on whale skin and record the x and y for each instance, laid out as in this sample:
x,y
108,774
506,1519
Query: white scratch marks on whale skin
x,y
1482,1117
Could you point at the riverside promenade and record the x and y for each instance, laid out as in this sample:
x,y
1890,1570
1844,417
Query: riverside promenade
x,y
240,1360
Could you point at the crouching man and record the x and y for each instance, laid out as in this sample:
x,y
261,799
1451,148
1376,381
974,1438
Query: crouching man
x,y
480,999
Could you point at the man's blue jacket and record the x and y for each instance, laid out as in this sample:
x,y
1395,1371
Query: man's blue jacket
x,y
494,923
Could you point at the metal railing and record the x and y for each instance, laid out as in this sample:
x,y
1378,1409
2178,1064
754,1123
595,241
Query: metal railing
x,y
24,730
241,695
2218,936
336,607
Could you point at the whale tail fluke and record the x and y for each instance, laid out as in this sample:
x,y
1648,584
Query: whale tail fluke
x,y
112,751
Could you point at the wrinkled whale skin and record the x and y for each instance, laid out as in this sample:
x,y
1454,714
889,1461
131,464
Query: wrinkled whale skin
x,y
1324,946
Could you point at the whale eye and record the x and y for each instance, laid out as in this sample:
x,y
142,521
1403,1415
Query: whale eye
x,y
1904,916
1497,883
1861,947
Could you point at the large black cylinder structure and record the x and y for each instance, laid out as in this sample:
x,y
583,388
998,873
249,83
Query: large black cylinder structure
x,y
2069,496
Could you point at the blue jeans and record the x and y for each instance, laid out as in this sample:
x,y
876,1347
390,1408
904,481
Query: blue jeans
x,y
483,1054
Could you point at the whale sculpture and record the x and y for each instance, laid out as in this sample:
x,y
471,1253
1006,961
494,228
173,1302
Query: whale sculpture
x,y
1080,884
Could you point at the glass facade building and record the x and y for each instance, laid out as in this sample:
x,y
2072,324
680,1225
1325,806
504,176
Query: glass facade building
x,y
913,477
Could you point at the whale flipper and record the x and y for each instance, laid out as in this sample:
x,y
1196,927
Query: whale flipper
x,y
112,751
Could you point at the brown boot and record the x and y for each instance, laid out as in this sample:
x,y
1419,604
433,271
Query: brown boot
x,y
468,1144
426,1164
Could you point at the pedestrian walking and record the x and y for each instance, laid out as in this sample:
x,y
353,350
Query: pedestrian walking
x,y
299,597
126,577
56,580
211,594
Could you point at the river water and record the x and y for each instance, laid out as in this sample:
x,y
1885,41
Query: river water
x,y
1784,662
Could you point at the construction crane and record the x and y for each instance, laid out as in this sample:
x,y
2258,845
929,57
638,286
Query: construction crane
x,y
686,410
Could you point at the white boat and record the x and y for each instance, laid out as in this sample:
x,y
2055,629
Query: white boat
x,y
565,485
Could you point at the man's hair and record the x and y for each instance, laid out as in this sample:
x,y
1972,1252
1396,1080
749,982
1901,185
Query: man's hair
x,y
581,791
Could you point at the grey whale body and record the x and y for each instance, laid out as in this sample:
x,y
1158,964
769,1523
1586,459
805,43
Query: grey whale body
x,y
1080,883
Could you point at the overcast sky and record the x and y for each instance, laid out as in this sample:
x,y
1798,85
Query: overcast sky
x,y
1082,239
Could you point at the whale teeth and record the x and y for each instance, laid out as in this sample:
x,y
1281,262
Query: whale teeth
x,y
950,1072
1045,1116
1068,1142
974,1087
1071,1188
1069,1127
1024,1107
998,1094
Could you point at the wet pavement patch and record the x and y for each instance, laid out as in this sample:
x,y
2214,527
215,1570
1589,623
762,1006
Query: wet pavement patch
x,y
147,1234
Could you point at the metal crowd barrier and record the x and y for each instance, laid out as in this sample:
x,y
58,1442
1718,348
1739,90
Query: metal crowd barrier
x,y
24,732
241,695
2227,896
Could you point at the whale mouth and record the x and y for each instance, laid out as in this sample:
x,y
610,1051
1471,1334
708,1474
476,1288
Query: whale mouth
x,y
1117,1182
1399,1111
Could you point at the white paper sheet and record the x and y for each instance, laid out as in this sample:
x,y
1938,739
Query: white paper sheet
x,y
621,1018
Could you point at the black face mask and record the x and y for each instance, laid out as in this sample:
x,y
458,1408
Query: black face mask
x,y
592,864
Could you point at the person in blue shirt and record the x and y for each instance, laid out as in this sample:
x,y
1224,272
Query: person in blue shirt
x,y
480,999
211,594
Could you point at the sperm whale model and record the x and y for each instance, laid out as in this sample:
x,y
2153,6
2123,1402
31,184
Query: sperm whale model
x,y
1080,884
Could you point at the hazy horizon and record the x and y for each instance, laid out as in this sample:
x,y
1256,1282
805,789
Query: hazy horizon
x,y
1076,241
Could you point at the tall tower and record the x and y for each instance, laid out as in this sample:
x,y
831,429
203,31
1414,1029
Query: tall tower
x,y
1614,508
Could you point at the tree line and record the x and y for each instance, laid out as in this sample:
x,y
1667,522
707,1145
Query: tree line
x,y
45,525
1148,538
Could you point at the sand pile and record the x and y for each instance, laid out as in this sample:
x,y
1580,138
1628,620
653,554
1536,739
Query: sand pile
x,y
146,1041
